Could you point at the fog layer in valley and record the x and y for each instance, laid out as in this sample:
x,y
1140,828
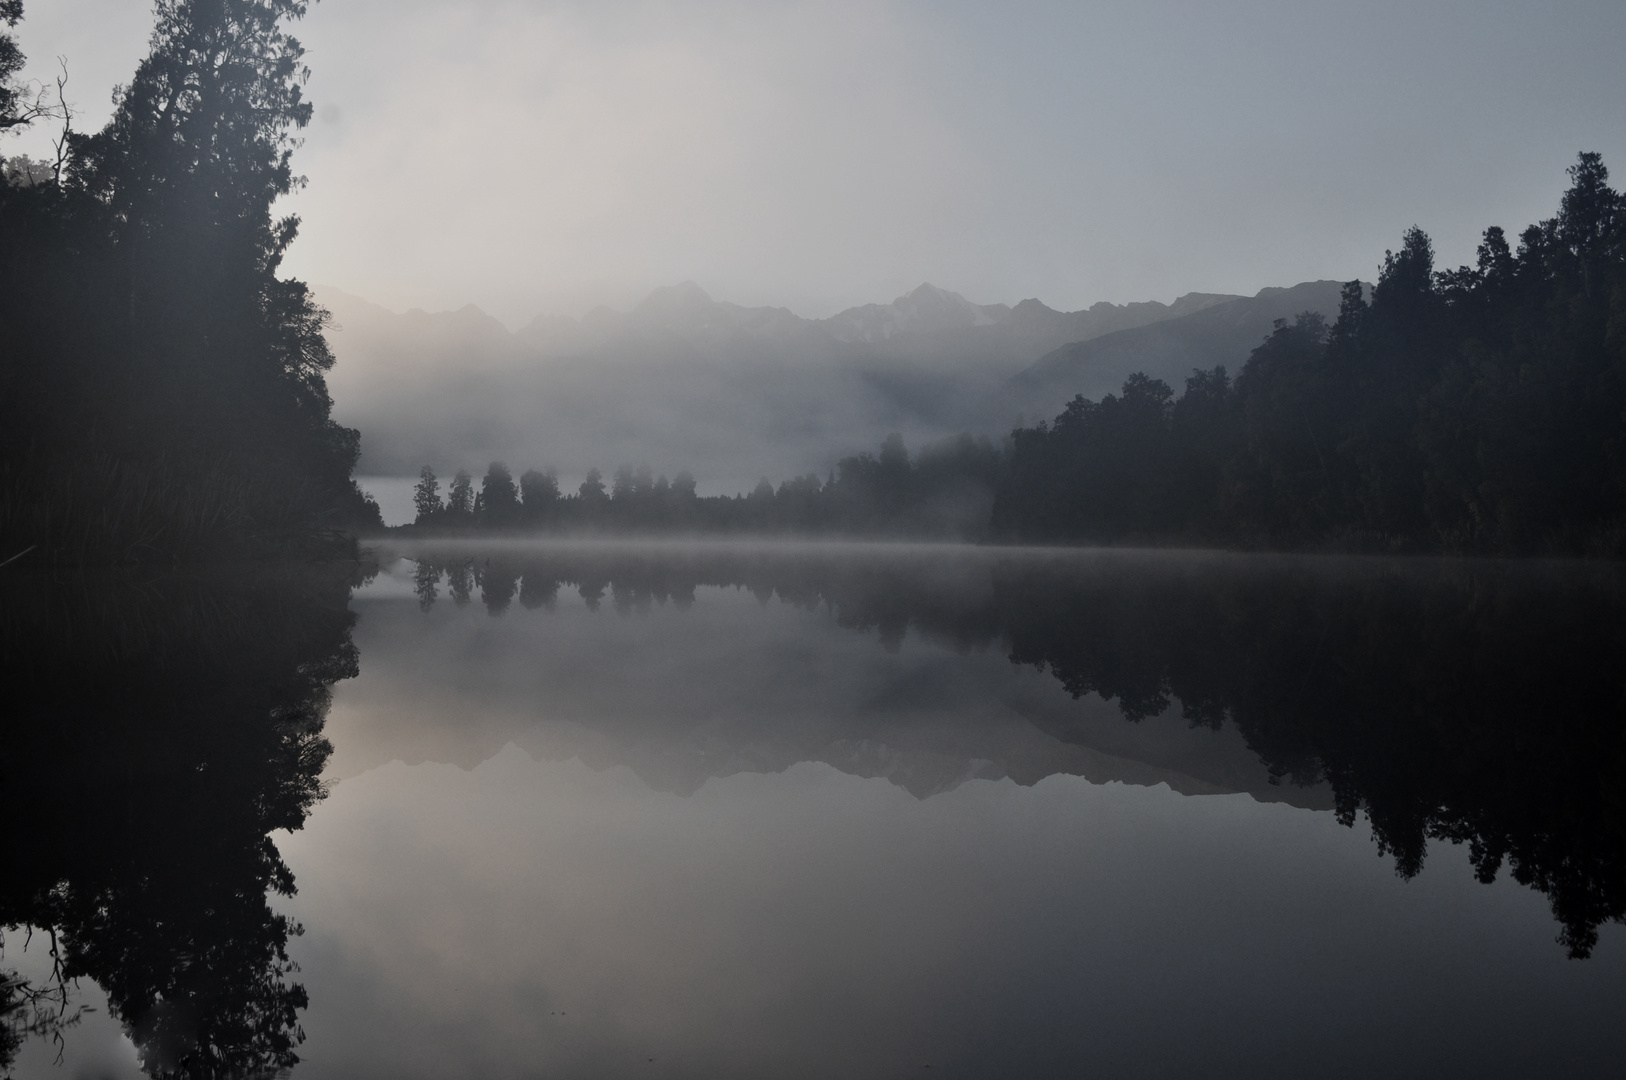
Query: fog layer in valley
x,y
735,394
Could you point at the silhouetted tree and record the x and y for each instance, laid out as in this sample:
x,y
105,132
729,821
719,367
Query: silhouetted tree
x,y
426,496
165,390
1284,477
1101,473
11,62
460,498
22,103
499,497
621,486
944,492
539,496
591,490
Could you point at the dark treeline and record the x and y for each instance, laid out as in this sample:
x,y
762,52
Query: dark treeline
x,y
156,733
1481,409
1478,409
1479,703
162,392
945,491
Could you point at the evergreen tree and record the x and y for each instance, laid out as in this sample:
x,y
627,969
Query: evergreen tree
x,y
622,487
499,497
460,497
591,490
1471,409
426,496
539,495
167,389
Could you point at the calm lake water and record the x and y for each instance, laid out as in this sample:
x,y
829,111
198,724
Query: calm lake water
x,y
815,811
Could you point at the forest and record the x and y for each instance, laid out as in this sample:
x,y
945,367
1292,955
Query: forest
x,y
163,392
1475,410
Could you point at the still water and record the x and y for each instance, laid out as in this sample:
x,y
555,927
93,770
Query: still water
x,y
810,811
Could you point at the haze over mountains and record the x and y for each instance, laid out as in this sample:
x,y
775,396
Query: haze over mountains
x,y
734,394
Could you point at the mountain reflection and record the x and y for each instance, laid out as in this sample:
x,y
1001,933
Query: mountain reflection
x,y
1480,703
157,732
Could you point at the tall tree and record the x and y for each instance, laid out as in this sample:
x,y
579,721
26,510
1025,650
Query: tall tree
x,y
539,495
426,496
12,100
460,496
499,497
158,349
190,165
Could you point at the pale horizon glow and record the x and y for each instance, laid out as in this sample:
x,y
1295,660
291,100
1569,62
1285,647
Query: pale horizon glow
x,y
546,158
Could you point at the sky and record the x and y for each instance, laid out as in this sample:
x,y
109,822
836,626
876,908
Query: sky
x,y
545,157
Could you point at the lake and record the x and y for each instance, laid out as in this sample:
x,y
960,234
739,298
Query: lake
x,y
616,809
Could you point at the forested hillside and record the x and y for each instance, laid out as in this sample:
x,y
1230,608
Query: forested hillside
x,y
1477,409
1221,334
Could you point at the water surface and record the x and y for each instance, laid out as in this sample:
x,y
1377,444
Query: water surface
x,y
724,810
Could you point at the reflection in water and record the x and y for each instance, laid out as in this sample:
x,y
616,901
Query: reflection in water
x,y
1481,703
157,731
160,731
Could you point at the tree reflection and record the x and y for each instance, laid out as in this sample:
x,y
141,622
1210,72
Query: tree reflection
x,y
35,1011
1477,702
158,731
1480,704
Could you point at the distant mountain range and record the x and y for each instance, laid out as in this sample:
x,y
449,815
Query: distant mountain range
x,y
924,324
735,393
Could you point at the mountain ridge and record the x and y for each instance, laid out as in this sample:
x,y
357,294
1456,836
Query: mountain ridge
x,y
687,308
1224,333
736,393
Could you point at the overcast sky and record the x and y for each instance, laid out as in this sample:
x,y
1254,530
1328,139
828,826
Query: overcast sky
x,y
535,157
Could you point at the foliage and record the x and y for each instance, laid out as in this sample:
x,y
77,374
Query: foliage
x,y
145,321
1478,409
11,62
